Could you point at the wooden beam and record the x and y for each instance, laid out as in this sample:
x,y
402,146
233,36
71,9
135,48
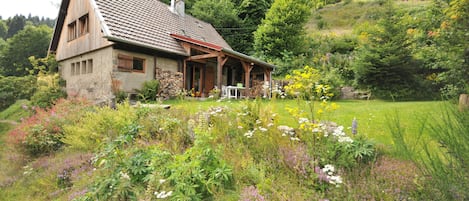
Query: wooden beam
x,y
220,65
184,73
187,48
224,60
203,56
202,49
247,75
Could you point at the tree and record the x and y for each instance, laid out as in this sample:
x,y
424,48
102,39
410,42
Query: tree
x,y
15,25
223,15
3,29
32,41
384,62
282,30
455,43
251,12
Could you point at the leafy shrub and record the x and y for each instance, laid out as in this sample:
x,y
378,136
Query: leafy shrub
x,y
49,90
149,91
97,126
15,88
42,132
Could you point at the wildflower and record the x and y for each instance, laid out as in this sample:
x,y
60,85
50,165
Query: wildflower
x,y
354,126
263,129
240,127
303,120
125,175
163,194
249,134
345,139
294,139
258,121
328,168
162,181
270,125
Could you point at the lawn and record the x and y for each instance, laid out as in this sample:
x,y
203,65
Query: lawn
x,y
372,116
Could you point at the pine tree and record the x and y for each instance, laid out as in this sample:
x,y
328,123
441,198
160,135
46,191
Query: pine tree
x,y
383,62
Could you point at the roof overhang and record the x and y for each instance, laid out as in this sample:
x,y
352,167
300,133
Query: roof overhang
x,y
59,25
226,51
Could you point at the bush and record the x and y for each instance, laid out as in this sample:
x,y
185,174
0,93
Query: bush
x,y
149,91
41,133
49,90
15,88
100,125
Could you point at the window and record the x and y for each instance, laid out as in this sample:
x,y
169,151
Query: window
x,y
72,31
72,69
83,25
90,66
77,68
83,67
131,64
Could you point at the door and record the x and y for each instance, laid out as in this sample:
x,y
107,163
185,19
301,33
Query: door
x,y
209,81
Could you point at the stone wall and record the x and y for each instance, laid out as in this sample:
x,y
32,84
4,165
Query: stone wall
x,y
171,83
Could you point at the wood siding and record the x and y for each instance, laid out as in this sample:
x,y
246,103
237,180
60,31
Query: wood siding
x,y
84,43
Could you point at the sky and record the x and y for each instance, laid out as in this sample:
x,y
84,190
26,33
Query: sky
x,y
41,8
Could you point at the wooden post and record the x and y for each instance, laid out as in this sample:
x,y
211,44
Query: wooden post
x,y
184,74
221,60
247,76
463,102
219,71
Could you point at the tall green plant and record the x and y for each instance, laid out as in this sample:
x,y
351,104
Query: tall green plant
x,y
282,30
445,155
383,63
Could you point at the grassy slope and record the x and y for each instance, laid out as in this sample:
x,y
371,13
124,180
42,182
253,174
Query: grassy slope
x,y
341,18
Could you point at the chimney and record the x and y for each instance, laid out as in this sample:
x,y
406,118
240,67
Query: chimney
x,y
178,7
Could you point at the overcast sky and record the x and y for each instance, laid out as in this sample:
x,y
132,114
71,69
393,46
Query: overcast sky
x,y
46,8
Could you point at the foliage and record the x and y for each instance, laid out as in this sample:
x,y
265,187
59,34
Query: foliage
x,y
303,82
48,91
446,164
31,41
15,88
3,30
383,62
149,91
15,25
282,29
42,132
97,126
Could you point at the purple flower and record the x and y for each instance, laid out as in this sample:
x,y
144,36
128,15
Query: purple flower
x,y
322,176
354,126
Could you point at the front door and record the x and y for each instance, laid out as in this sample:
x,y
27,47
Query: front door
x,y
195,76
209,79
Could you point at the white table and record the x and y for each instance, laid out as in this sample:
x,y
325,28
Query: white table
x,y
229,89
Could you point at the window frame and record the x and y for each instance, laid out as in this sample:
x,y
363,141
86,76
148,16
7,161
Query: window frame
x,y
126,63
72,31
83,25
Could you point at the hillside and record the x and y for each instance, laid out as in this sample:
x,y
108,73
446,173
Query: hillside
x,y
342,17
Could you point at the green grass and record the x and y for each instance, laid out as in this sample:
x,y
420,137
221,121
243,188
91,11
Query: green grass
x,y
340,18
15,112
372,116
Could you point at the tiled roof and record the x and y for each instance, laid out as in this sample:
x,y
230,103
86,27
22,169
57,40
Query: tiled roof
x,y
150,23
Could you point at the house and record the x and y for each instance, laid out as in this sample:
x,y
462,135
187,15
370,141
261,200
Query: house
x,y
104,46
